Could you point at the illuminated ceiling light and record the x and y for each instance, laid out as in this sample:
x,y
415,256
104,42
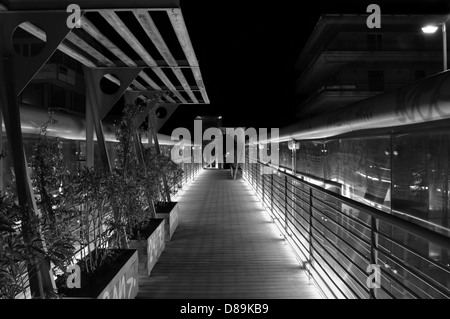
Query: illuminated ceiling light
x,y
429,29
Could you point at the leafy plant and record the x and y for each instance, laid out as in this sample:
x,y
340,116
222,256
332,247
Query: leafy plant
x,y
162,167
132,191
14,254
50,181
19,257
91,200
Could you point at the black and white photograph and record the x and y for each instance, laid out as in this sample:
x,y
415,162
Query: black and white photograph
x,y
224,158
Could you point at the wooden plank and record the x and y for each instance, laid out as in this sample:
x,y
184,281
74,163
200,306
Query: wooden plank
x,y
38,33
179,74
139,85
178,24
225,247
170,100
169,84
150,82
86,47
153,33
111,17
92,30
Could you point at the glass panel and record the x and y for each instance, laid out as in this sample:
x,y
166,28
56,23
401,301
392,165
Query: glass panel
x,y
428,263
421,179
360,169
285,155
310,161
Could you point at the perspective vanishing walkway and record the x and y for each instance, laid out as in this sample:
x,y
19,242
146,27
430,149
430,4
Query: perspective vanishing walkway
x,y
225,247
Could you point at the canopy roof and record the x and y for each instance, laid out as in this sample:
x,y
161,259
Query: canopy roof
x,y
130,33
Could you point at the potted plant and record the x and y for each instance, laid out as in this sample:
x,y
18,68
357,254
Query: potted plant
x,y
167,176
74,225
136,189
45,242
102,271
16,256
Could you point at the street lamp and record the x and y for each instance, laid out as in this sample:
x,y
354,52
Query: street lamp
x,y
433,29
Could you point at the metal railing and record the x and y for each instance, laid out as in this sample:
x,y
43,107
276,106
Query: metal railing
x,y
337,238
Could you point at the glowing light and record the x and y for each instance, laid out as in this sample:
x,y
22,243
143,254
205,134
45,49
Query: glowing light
x,y
429,29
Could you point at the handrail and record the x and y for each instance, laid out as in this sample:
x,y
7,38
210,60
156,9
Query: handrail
x,y
333,241
408,226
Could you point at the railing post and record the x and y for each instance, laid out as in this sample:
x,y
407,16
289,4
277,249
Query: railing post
x,y
311,250
271,192
285,205
373,251
262,191
253,175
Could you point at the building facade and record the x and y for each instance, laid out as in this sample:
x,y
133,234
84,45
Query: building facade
x,y
344,61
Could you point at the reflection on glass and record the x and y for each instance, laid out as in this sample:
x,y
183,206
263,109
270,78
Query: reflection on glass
x,y
421,178
357,168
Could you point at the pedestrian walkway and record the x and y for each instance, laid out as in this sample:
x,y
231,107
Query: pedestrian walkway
x,y
225,247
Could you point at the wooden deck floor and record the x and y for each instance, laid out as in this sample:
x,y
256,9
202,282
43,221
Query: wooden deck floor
x,y
225,247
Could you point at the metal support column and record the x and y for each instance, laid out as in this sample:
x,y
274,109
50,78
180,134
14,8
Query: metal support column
x,y
99,103
16,71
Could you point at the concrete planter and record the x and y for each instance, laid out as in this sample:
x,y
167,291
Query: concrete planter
x,y
171,215
150,248
122,284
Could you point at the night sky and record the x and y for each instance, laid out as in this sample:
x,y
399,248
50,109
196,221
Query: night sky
x,y
247,50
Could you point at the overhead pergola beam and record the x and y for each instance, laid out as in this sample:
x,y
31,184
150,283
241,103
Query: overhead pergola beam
x,y
111,17
178,24
86,53
153,33
86,50
138,85
86,47
149,81
38,33
92,30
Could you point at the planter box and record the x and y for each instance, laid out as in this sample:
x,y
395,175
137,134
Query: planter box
x,y
171,215
150,249
121,281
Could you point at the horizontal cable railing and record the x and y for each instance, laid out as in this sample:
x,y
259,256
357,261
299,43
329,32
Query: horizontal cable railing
x,y
337,239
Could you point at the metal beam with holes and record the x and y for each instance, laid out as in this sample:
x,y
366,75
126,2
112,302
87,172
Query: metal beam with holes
x,y
90,48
